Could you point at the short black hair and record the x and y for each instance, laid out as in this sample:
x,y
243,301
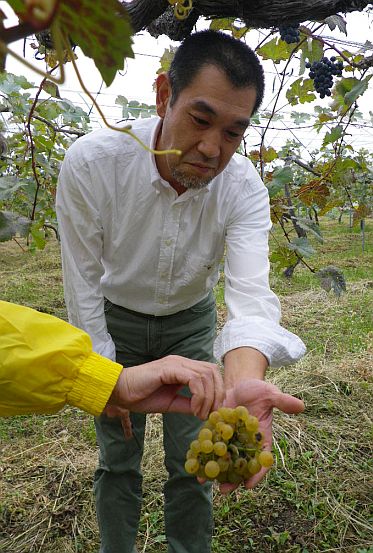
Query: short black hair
x,y
238,61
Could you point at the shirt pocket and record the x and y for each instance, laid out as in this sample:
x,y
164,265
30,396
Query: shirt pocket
x,y
201,272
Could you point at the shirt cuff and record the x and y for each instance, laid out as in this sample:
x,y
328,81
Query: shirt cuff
x,y
280,346
94,384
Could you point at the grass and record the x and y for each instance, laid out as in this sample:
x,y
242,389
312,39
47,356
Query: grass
x,y
318,498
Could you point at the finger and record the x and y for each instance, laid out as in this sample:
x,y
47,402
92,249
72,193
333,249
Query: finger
x,y
197,390
179,404
227,488
287,403
126,425
219,389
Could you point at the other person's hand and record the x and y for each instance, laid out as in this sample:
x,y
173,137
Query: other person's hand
x,y
153,388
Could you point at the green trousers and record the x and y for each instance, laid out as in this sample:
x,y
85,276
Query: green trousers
x,y
118,480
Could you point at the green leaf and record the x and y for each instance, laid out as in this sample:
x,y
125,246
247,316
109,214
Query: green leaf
x,y
166,59
102,30
280,177
38,236
282,257
51,89
356,91
17,5
312,227
334,21
332,278
301,90
10,83
8,186
332,136
311,50
12,224
276,50
302,246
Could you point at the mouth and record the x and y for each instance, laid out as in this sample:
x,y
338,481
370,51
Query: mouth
x,y
201,168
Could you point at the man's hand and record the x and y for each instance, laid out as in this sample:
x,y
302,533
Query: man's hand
x,y
153,388
260,398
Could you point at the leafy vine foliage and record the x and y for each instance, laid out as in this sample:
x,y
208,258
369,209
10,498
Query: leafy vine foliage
x,y
303,186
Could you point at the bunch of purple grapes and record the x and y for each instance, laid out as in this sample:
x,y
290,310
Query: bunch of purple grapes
x,y
289,33
323,72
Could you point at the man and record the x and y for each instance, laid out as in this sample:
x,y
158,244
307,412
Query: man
x,y
142,240
45,363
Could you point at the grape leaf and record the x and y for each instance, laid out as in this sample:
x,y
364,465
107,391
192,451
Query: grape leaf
x,y
279,177
9,185
310,226
357,90
12,224
101,29
282,257
301,91
302,246
276,50
332,278
334,21
332,136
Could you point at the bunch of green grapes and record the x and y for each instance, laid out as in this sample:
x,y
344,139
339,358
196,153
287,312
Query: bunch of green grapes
x,y
228,447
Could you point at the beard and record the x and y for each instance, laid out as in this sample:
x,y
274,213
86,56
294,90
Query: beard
x,y
189,181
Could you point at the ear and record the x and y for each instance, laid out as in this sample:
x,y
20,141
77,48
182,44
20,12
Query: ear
x,y
163,97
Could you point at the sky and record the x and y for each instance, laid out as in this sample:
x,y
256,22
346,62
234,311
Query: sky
x,y
136,83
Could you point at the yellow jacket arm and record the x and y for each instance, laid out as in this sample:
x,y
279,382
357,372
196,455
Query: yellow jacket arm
x,y
46,363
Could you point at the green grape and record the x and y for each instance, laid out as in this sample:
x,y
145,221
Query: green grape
x,y
191,455
233,477
243,437
204,434
207,446
224,463
241,412
253,466
212,469
227,432
191,466
252,423
214,417
240,465
220,448
266,459
195,446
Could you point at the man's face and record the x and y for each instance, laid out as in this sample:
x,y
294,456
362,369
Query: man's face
x,y
207,123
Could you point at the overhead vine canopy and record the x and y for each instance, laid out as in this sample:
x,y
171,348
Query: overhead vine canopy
x,y
157,16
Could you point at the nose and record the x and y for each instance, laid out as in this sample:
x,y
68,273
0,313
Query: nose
x,y
210,144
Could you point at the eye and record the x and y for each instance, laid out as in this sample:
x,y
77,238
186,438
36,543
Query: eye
x,y
199,121
233,134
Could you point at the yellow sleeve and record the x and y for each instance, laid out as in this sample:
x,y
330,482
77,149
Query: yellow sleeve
x,y
46,363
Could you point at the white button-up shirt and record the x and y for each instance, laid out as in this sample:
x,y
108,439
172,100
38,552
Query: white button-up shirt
x,y
126,235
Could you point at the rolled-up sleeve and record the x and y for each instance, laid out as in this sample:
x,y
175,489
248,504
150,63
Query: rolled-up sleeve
x,y
46,363
253,309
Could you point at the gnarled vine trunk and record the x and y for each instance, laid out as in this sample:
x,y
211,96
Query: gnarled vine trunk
x,y
157,16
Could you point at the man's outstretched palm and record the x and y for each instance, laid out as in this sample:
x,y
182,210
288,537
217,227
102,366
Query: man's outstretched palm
x,y
260,398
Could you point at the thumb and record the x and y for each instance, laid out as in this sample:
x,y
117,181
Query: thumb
x,y
287,403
